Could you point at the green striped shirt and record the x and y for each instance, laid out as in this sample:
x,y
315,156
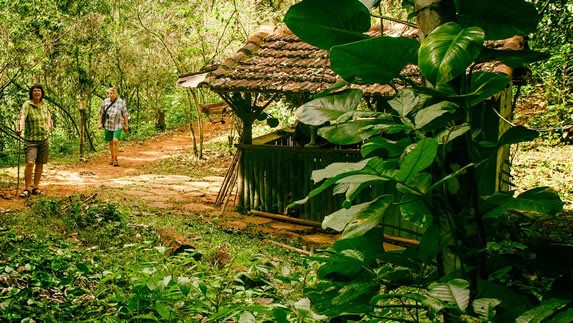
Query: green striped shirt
x,y
36,126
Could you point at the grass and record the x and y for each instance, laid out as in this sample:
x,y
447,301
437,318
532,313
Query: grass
x,y
537,164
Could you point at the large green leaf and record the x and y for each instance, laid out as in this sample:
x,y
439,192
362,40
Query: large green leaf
x,y
339,219
336,169
333,299
414,210
455,292
499,19
420,158
374,60
390,147
351,132
541,200
407,101
542,311
434,111
484,85
322,110
516,135
448,51
356,183
326,23
512,58
485,307
346,263
370,251
333,173
418,184
368,218
451,133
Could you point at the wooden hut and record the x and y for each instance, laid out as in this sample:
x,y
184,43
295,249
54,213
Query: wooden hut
x,y
273,171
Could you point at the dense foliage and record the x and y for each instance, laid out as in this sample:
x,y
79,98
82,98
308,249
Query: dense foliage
x,y
88,260
479,259
433,148
76,50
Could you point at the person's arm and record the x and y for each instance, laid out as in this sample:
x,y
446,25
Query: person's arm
x,y
125,118
100,118
21,124
49,122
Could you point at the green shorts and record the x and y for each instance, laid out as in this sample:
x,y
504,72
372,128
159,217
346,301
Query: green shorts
x,y
109,135
37,151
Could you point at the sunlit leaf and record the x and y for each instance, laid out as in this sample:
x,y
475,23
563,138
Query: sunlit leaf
x,y
449,134
336,169
339,219
455,292
247,317
368,218
542,311
485,307
322,110
448,51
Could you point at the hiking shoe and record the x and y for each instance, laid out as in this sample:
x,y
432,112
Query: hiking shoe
x,y
115,163
36,191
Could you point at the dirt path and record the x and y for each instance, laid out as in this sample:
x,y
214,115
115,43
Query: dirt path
x,y
157,174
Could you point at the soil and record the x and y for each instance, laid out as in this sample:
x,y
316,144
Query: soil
x,y
163,174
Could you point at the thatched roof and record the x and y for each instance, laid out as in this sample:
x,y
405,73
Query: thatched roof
x,y
277,61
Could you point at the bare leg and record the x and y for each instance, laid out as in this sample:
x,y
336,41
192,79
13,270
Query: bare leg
x,y
38,174
28,174
115,149
113,157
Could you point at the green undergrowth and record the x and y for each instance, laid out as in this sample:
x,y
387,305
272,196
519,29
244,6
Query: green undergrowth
x,y
83,259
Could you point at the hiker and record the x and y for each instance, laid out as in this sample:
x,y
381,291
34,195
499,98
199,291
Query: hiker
x,y
36,122
113,117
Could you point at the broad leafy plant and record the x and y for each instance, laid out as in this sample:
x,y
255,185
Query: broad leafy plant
x,y
432,144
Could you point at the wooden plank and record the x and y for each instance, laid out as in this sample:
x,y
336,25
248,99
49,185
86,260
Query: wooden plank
x,y
285,218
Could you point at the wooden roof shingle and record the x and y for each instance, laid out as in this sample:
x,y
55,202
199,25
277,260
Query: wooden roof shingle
x,y
277,61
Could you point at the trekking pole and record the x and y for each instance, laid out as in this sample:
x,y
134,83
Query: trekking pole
x,y
18,166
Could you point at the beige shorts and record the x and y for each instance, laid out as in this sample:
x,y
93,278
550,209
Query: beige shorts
x,y
37,151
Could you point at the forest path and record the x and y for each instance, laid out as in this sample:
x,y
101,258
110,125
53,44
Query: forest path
x,y
161,174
